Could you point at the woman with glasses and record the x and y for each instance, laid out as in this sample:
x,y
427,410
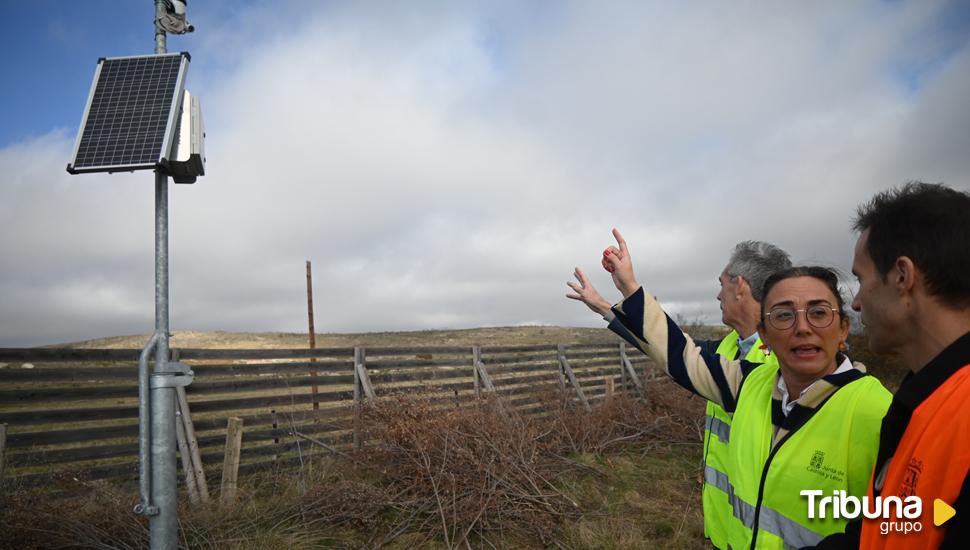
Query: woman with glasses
x,y
805,431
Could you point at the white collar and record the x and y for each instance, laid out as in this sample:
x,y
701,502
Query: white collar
x,y
745,344
787,406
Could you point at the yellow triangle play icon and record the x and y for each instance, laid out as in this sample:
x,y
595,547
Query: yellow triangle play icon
x,y
942,512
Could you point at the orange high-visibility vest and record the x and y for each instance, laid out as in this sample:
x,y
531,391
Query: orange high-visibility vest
x,y
931,462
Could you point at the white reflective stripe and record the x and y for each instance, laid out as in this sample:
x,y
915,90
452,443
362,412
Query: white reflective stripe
x,y
717,427
794,534
742,510
717,478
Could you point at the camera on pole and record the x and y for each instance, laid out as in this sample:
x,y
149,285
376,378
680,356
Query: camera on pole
x,y
174,21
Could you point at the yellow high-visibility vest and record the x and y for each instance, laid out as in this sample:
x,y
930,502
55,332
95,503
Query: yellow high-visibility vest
x,y
834,450
717,432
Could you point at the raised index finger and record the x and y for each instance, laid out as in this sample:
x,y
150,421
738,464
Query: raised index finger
x,y
620,241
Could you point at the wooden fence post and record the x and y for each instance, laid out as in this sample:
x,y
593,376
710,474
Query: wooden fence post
x,y
631,372
364,379
313,339
560,354
192,443
624,383
187,468
276,439
565,368
476,356
482,379
610,386
359,357
3,449
230,467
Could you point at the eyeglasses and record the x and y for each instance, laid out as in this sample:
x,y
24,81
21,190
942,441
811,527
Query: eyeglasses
x,y
783,318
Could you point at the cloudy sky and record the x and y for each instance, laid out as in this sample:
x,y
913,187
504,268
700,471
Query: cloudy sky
x,y
447,164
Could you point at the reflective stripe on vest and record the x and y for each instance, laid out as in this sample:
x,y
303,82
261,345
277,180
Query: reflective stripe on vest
x,y
713,422
718,427
794,534
834,450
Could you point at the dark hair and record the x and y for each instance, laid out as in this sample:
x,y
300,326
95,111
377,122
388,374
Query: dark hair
x,y
824,274
756,261
928,223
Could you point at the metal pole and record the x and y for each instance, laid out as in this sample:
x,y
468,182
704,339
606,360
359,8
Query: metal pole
x,y
160,46
163,528
145,505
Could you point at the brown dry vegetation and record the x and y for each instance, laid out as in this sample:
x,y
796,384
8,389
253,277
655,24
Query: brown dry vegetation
x,y
621,476
889,369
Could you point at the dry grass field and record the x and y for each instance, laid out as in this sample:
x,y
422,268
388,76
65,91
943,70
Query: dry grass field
x,y
506,336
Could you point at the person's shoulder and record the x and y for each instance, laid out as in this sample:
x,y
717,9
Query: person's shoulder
x,y
873,397
869,379
961,381
955,395
766,370
708,346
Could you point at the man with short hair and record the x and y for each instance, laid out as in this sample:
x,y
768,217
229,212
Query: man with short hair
x,y
742,281
912,260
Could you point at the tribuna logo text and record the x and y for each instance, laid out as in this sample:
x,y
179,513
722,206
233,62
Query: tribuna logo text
x,y
898,514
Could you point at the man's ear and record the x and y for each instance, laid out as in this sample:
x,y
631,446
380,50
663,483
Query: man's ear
x,y
743,287
904,274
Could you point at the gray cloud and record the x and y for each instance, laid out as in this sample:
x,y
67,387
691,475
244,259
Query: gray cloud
x,y
449,167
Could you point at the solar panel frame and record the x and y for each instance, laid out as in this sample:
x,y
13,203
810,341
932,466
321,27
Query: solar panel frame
x,y
124,121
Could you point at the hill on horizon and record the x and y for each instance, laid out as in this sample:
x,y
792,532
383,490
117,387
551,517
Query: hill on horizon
x,y
484,336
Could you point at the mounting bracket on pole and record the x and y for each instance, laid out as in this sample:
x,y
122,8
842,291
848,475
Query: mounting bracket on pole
x,y
146,510
172,375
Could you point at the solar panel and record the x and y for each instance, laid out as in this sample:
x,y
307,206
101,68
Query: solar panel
x,y
131,114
